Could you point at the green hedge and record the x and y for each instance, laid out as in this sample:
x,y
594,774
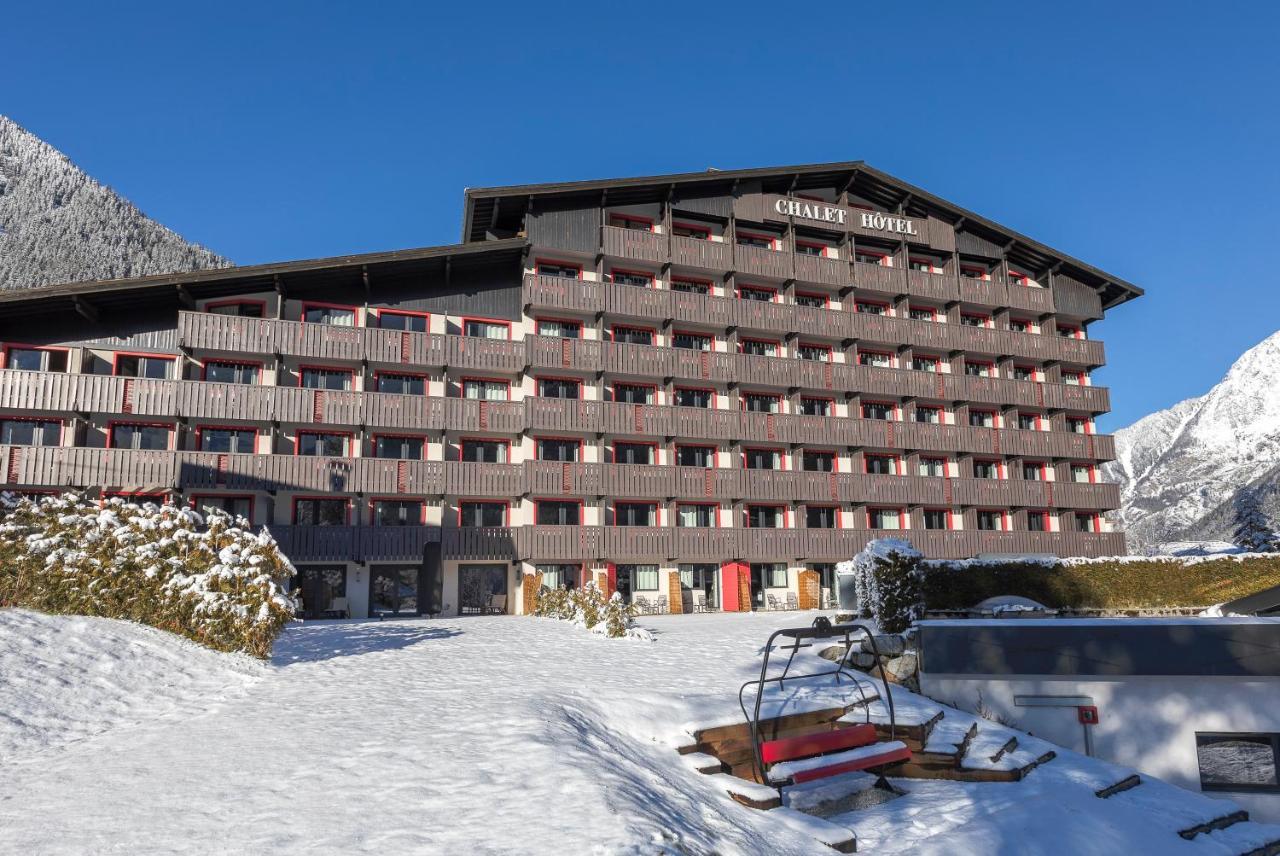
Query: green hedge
x,y
1102,584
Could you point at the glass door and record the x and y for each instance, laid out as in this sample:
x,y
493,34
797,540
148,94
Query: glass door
x,y
394,590
482,589
320,586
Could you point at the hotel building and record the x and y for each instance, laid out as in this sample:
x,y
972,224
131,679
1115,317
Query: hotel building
x,y
701,390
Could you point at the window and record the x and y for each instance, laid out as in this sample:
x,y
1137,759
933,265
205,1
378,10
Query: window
x,y
559,329
760,402
930,415
557,449
324,445
979,369
937,518
243,441
315,377
884,518
402,384
820,516
320,512
224,371
479,451
691,230
881,465
879,359
695,456
635,514
986,469
1033,470
695,515
481,329
632,335
640,279
759,347
630,221
31,432
1078,424
1024,373
1019,325
134,435
923,265
690,286
633,453
974,272
408,322
766,516
982,418
482,513
816,406
1087,522
975,320
401,448
692,397
762,295
870,257
882,410
558,387
1029,421
559,576
691,341
818,461
1073,378
397,512
1068,332
141,365
1238,762
1037,521
926,364
633,393
35,359
334,316
866,307
1083,473
762,459
816,353
817,301
922,313
557,512
563,270
770,574
933,467
807,248
1017,278
486,390
238,308
643,577
236,506
991,521
748,239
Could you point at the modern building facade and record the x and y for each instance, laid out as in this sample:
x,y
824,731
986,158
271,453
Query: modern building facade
x,y
700,390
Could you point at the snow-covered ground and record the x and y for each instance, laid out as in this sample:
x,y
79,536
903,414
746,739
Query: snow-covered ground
x,y
477,735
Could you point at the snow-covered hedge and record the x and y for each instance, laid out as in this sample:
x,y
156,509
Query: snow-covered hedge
x,y
207,577
888,583
587,607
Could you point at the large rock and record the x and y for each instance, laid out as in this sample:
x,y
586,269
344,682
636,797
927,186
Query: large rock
x,y
890,645
899,669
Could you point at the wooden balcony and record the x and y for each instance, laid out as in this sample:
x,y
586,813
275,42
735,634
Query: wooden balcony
x,y
873,277
933,286
757,261
634,244
983,292
1031,298
820,269
575,355
561,293
695,252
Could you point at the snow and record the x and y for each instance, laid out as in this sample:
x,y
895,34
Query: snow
x,y
786,769
478,735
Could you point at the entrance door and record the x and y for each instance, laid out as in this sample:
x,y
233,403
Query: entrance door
x,y
482,589
320,586
699,587
394,590
624,582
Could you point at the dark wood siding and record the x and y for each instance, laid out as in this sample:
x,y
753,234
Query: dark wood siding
x,y
715,206
575,228
486,293
1072,297
975,245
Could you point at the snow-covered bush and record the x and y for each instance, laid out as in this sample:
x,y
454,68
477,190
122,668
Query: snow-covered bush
x,y
587,607
555,603
888,583
209,577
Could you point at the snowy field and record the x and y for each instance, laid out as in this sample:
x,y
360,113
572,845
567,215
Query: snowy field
x,y
477,735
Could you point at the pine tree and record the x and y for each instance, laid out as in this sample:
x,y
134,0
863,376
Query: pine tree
x,y
1253,531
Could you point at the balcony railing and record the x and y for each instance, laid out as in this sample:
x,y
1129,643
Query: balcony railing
x,y
634,244
758,261
705,254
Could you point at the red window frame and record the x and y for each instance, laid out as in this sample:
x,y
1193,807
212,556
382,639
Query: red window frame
x,y
1044,519
928,358
1002,472
538,379
379,311
829,399
613,449
832,505
202,428
933,268
1038,417
537,454
1042,466
885,305
825,298
985,319
834,453
426,444
1080,376
715,400
613,387
938,459
1087,420
378,373
538,263
1020,367
893,405
351,373
715,452
193,501
827,349
1004,519
1092,468
692,227
689,280
762,236
235,361
989,364
880,257
902,516
629,218
816,245
746,513
537,501
649,275
62,427
485,500
951,517
348,434
313,498
1095,521
1075,331
237,301
111,430
323,304
116,355
1024,321
984,274
715,517
698,334
888,354
572,322
777,345
652,331
932,310
773,292
742,399
937,408
9,346
462,325
653,503
422,506
462,381
897,463
462,441
780,451
995,417
1019,278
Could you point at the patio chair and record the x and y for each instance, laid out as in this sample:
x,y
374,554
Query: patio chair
x,y
793,602
641,604
497,604
338,608
699,601
662,608
773,602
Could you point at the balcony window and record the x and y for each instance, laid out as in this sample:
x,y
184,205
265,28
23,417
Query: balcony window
x,y
632,335
406,322
639,279
870,257
1029,421
1077,425
555,387
815,301
31,432
759,347
1068,332
334,316
937,518
132,435
315,443
478,328
1083,474
881,465
932,467
922,313
687,397
976,369
240,441
1073,378
486,390
1086,522
397,512
139,365
986,469
929,415
320,512
814,353
818,461
558,449
313,377
762,459
399,448
635,514
770,574
866,307
1018,325
236,506
759,402
402,384
633,393
816,406
1037,521
224,371
479,513
884,518
558,513
633,453
690,286
1018,278
982,418
643,577
1033,470
761,295
691,230
695,515
808,248
237,308
883,410
975,320
926,364
630,221
991,521
750,239
691,341
766,516
559,576
1024,373
35,359
485,451
820,516
974,272
876,359
559,329
924,265
562,270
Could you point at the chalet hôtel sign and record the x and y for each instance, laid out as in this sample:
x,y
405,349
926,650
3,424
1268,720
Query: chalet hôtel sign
x,y
835,215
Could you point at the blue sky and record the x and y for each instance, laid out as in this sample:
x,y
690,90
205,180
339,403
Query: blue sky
x,y
1140,139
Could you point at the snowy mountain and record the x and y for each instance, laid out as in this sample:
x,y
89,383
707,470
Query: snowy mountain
x,y
59,225
1208,467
